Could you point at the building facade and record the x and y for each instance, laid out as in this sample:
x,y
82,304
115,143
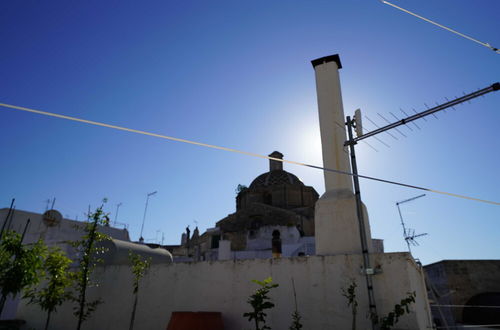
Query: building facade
x,y
274,217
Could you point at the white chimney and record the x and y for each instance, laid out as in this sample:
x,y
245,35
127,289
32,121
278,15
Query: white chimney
x,y
331,122
335,218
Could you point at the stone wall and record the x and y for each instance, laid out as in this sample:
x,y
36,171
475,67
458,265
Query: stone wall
x,y
456,282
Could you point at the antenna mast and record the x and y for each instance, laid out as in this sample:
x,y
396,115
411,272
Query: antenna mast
x,y
408,233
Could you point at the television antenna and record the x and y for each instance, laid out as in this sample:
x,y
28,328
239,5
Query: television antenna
x,y
408,233
116,214
141,239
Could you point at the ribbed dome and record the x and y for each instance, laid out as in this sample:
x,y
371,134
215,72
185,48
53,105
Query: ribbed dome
x,y
275,177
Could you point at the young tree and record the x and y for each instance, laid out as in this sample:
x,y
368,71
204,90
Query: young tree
x,y
350,294
20,265
88,250
296,325
58,279
140,267
260,301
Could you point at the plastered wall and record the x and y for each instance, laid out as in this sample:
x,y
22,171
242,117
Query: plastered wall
x,y
224,286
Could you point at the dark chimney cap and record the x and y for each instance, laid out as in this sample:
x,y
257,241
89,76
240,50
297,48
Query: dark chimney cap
x,y
276,154
332,58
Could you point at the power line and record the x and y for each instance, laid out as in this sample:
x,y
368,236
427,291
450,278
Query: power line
x,y
95,123
485,44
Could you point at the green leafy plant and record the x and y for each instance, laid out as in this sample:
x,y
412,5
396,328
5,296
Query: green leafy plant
x,y
350,295
296,325
140,267
260,301
387,322
20,265
87,262
58,279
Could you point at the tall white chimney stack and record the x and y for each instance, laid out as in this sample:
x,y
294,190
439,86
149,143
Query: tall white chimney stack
x,y
335,218
331,122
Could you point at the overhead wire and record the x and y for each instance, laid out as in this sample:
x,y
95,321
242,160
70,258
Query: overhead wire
x,y
485,44
131,130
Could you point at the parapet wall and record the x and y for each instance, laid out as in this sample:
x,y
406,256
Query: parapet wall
x,y
224,286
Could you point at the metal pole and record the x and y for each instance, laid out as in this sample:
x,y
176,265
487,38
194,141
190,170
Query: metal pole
x,y
404,227
362,230
10,218
25,229
144,217
7,217
116,215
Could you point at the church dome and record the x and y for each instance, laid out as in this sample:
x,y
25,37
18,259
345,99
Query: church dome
x,y
276,174
275,177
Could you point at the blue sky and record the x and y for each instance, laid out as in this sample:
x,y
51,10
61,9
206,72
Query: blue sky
x,y
238,74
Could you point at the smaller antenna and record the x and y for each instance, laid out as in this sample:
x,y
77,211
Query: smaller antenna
x,y
116,215
408,233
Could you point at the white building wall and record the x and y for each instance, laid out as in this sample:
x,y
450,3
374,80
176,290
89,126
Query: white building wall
x,y
224,286
62,232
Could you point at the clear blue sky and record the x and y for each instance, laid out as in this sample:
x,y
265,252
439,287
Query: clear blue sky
x,y
238,74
